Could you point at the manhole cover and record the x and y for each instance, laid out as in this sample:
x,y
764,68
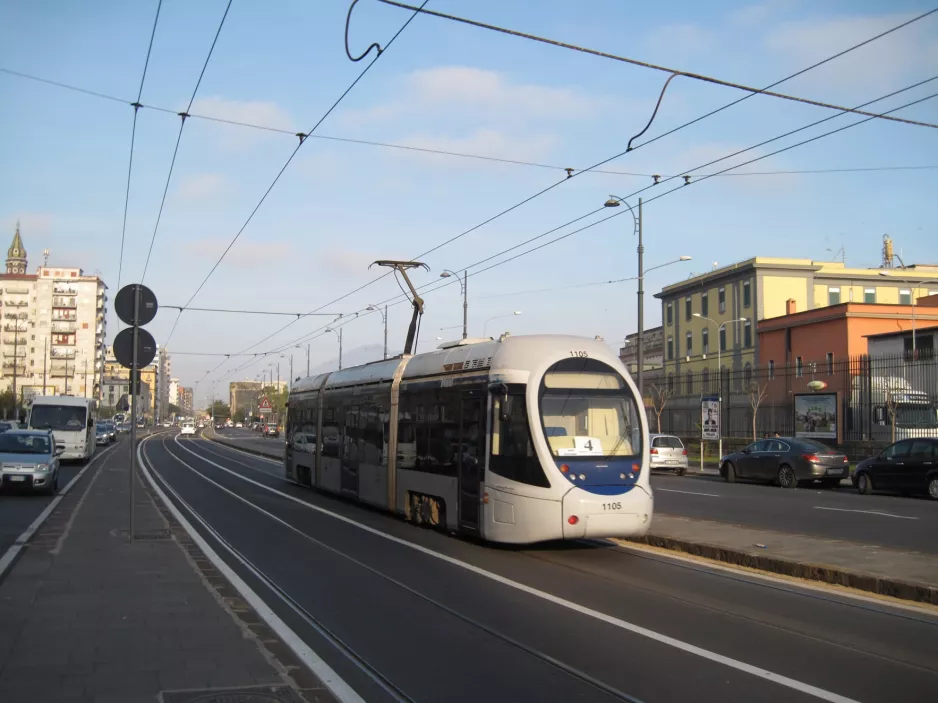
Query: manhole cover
x,y
278,694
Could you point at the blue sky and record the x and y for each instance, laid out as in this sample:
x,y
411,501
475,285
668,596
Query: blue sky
x,y
340,206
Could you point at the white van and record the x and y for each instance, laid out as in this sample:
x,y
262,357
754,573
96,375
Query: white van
x,y
73,422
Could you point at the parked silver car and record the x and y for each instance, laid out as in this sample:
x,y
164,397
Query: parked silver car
x,y
786,461
668,452
29,459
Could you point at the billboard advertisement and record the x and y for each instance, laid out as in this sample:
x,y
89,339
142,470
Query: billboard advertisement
x,y
710,418
816,415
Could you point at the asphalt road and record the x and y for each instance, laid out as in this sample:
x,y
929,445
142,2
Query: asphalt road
x,y
416,615
18,509
896,522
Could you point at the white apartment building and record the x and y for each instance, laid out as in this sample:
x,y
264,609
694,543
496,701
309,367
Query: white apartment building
x,y
174,391
53,328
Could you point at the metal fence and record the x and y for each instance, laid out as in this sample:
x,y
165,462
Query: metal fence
x,y
871,392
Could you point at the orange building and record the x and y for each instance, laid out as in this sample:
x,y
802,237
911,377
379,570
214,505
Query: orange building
x,y
834,333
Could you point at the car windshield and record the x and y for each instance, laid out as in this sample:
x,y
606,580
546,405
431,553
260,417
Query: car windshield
x,y
58,417
672,442
24,444
919,416
102,427
588,410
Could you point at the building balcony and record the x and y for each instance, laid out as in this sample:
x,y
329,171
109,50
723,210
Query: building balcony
x,y
63,316
15,315
64,303
64,327
17,303
15,340
69,343
17,291
15,328
20,367
64,290
18,353
60,353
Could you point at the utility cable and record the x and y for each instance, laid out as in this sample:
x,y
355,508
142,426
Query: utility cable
x,y
182,115
251,312
302,140
133,137
654,67
458,154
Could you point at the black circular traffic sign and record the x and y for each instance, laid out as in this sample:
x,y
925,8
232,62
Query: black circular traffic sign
x,y
124,347
124,304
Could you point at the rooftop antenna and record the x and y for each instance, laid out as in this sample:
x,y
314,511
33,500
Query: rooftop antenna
x,y
45,257
402,268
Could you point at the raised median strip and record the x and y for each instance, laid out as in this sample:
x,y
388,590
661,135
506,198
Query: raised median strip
x,y
248,445
906,575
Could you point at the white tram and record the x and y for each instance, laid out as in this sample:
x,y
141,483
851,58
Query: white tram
x,y
520,440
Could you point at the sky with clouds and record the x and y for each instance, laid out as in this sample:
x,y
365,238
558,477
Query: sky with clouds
x,y
340,205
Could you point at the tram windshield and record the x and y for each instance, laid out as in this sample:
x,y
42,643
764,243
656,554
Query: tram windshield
x,y
587,410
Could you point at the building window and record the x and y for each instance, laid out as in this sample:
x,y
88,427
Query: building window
x,y
830,363
722,339
771,369
670,314
799,367
690,344
721,296
869,295
689,383
747,374
670,348
833,296
688,309
905,297
705,341
704,304
747,294
747,334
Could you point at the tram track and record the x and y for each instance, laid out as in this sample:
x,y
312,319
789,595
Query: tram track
x,y
343,647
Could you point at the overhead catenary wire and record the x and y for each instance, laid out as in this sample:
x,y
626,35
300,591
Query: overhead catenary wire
x,y
655,67
249,312
182,124
590,168
302,140
133,138
462,154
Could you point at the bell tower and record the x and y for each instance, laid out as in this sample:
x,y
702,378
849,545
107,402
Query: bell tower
x,y
16,254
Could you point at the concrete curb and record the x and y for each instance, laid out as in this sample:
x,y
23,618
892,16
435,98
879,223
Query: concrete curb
x,y
248,450
904,590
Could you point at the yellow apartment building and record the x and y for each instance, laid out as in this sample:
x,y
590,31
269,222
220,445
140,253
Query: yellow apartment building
x,y
716,314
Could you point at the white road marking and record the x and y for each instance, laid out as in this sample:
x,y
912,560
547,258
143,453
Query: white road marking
x,y
10,555
756,671
867,512
690,493
336,685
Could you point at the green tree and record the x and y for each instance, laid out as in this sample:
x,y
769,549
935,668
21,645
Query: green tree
x,y
220,410
8,404
175,409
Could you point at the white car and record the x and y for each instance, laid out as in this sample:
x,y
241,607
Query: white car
x,y
188,429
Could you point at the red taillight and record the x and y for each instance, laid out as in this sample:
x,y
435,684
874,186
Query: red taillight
x,y
810,457
652,451
846,461
564,468
684,452
573,519
636,469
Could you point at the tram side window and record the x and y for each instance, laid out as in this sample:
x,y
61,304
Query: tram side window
x,y
372,422
512,451
330,431
351,434
428,431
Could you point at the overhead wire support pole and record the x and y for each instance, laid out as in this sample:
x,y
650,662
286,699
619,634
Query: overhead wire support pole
x,y
655,67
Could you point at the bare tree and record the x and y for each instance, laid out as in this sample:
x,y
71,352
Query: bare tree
x,y
891,409
757,394
660,395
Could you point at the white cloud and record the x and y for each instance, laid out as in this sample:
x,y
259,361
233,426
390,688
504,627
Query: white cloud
x,y
203,186
245,254
255,112
482,142
479,93
873,68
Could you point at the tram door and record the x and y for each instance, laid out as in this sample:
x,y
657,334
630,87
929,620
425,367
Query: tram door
x,y
471,459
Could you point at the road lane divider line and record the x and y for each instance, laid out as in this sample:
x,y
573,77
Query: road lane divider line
x,y
661,638
865,512
543,657
690,493
315,663
14,549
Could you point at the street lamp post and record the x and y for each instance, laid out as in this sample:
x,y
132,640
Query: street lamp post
x,y
614,201
384,318
338,334
485,326
719,371
307,358
464,286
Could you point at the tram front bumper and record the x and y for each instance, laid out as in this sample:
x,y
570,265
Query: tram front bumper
x,y
591,515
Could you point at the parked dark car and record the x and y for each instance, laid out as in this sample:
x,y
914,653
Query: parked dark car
x,y
787,461
907,466
271,431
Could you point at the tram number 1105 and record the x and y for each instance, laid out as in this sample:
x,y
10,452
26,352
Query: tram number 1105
x,y
579,354
612,506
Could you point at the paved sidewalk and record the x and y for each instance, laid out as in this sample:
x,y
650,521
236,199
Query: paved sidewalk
x,y
85,616
907,575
